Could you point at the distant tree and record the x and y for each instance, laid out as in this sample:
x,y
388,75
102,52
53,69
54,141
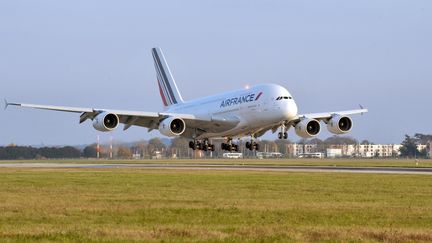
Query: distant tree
x,y
21,152
59,152
423,153
124,152
142,147
423,138
321,145
268,146
90,151
339,140
71,152
365,142
282,145
155,144
315,141
18,152
409,147
180,146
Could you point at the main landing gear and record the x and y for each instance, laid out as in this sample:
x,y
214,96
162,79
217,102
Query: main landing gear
x,y
252,145
204,145
229,146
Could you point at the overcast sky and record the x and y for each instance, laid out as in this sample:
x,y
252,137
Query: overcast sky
x,y
331,55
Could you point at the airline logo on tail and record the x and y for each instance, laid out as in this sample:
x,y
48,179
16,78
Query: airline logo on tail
x,y
167,87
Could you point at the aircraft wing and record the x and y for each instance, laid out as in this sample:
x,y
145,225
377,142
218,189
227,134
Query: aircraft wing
x,y
328,115
141,118
324,116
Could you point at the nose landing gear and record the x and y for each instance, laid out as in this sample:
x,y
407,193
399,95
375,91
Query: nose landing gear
x,y
283,133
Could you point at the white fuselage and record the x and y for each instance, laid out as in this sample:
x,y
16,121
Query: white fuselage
x,y
259,107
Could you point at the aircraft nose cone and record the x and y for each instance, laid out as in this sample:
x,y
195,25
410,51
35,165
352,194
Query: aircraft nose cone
x,y
291,110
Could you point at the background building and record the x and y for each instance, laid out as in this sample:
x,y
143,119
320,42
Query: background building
x,y
334,152
353,150
295,149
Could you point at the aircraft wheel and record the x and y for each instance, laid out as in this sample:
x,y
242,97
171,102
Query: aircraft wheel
x,y
256,146
191,145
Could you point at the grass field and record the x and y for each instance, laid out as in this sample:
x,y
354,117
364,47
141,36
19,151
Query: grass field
x,y
194,206
287,162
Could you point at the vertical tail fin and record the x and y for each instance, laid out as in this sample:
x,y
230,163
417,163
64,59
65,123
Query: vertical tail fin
x,y
167,87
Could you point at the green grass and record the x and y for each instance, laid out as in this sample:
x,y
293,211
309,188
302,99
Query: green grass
x,y
287,162
194,206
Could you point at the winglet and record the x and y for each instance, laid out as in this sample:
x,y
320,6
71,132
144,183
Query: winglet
x,y
6,104
361,107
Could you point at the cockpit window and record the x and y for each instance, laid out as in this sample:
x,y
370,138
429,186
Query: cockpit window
x,y
284,98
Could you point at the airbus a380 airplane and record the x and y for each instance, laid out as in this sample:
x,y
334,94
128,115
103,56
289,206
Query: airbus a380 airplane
x,y
244,112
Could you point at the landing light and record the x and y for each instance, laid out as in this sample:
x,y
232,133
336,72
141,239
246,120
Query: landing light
x,y
247,86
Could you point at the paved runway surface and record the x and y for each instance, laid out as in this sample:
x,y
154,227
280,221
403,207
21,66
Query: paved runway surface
x,y
381,170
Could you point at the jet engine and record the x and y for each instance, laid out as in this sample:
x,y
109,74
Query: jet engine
x,y
105,122
172,126
308,128
339,124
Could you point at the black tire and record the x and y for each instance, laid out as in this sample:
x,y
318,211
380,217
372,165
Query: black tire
x,y
256,147
285,135
191,145
280,135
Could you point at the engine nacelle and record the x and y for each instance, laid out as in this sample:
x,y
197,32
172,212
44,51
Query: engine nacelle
x,y
172,126
105,122
308,128
339,124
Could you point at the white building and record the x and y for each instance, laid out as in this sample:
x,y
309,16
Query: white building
x,y
368,150
377,150
295,149
334,153
354,150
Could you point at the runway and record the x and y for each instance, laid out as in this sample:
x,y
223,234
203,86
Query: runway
x,y
281,168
